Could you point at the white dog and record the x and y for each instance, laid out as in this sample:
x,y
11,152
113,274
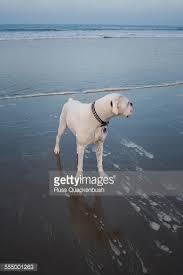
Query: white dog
x,y
88,123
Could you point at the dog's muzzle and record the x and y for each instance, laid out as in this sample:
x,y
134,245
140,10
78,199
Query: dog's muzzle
x,y
131,105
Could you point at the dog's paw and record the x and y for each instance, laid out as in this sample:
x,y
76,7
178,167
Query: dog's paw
x,y
103,174
57,150
79,174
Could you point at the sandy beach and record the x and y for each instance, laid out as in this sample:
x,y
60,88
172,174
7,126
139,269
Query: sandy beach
x,y
119,234
110,234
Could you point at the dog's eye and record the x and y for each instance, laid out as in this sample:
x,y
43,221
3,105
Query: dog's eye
x,y
111,104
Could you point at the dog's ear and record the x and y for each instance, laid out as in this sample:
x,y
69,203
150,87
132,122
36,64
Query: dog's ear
x,y
114,106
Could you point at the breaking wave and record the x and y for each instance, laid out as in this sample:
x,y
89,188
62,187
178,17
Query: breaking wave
x,y
93,91
58,31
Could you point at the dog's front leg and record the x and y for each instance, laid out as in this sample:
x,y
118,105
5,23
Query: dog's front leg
x,y
99,155
80,153
61,129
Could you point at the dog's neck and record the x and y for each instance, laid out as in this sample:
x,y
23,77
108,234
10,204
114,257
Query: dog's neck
x,y
102,110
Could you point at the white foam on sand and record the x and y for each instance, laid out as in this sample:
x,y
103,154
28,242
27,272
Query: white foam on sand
x,y
119,193
135,206
137,148
165,220
153,203
126,188
139,169
116,165
119,262
87,151
171,219
155,226
105,153
180,197
162,246
164,217
144,269
142,194
114,248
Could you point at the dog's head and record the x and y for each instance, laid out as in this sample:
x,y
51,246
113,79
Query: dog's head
x,y
120,105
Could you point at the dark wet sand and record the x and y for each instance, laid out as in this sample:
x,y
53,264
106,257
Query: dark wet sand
x,y
99,235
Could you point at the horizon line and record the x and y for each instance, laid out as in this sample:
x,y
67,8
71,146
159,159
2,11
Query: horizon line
x,y
94,24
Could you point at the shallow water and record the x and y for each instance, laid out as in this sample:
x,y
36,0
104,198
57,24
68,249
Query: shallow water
x,y
119,234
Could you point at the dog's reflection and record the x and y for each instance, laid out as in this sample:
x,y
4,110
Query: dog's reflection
x,y
87,219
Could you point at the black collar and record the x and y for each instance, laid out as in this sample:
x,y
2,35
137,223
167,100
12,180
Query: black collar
x,y
103,123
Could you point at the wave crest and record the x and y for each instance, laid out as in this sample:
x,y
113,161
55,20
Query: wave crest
x,y
94,91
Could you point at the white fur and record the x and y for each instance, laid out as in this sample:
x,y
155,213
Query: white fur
x,y
79,118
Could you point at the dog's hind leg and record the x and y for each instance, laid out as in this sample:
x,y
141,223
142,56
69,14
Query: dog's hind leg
x,y
80,153
99,155
61,129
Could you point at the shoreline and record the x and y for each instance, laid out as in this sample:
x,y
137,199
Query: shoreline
x,y
95,91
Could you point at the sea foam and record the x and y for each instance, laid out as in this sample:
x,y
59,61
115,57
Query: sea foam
x,y
93,91
137,148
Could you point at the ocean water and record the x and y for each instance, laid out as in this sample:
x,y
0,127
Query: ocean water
x,y
32,62
53,31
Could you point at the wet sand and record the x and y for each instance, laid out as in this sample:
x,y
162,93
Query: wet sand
x,y
120,234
